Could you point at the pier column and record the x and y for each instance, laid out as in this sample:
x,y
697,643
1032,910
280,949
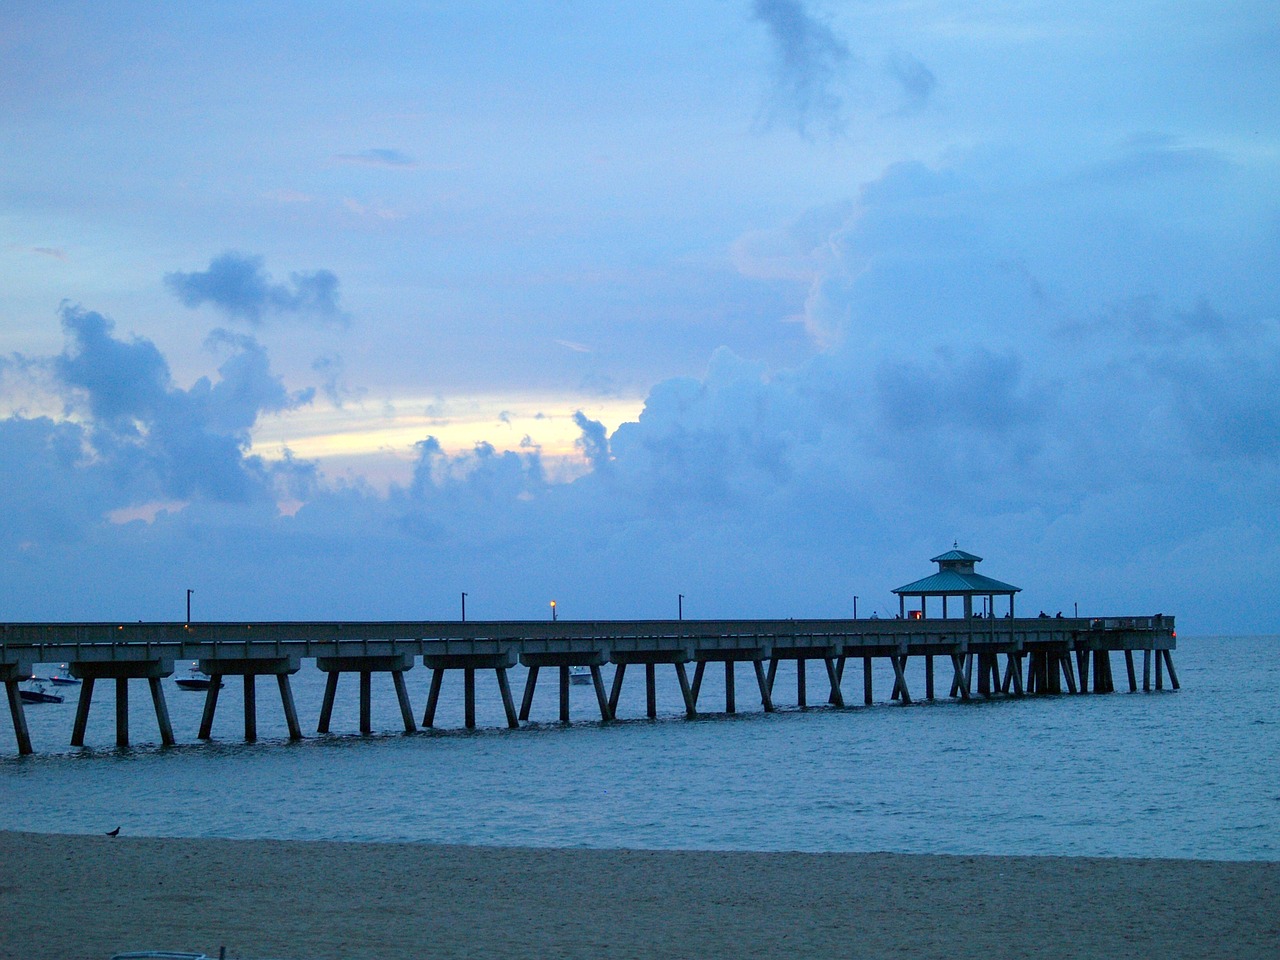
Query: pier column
x,y
82,712
13,674
589,656
326,705
866,681
730,705
837,696
564,691
487,655
928,677
122,707
121,671
210,707
249,669
686,691
364,667
291,711
766,687
162,712
1168,662
801,694
250,708
650,691
1128,666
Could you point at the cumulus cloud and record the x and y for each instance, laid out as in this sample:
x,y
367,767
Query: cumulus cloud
x,y
808,60
239,286
154,439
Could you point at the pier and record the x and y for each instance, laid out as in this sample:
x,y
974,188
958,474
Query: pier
x,y
1042,655
976,656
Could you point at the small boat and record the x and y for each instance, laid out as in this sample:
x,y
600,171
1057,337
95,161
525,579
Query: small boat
x,y
579,674
63,676
34,692
196,679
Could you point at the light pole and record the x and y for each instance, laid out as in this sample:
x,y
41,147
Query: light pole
x,y
189,593
464,606
553,611
680,607
855,607
1076,606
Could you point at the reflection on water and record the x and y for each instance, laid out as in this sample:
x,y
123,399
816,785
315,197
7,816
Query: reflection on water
x,y
1187,774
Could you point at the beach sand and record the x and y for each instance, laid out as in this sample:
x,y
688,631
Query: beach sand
x,y
71,897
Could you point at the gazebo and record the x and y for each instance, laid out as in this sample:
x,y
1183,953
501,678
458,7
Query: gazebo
x,y
955,578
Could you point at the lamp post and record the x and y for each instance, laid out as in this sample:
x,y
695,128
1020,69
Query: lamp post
x,y
464,606
189,593
553,611
855,607
680,607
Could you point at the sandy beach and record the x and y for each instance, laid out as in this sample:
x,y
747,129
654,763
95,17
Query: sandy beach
x,y
89,896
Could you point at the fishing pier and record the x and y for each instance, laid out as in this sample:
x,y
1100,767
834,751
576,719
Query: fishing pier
x,y
976,654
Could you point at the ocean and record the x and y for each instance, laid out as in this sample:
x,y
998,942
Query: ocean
x,y
1193,773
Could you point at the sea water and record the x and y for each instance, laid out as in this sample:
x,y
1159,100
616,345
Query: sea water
x,y
1193,773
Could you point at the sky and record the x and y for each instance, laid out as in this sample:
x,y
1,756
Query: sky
x,y
339,311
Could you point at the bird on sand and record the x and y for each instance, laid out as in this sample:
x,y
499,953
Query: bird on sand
x,y
114,833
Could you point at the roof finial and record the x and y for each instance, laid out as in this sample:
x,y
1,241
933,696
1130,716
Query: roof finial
x,y
955,544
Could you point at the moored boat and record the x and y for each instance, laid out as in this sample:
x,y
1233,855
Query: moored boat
x,y
63,676
34,692
196,679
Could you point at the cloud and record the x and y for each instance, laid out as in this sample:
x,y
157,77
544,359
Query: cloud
x,y
916,80
239,286
808,61
155,440
378,157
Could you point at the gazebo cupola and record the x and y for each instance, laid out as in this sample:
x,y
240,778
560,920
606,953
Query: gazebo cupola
x,y
955,578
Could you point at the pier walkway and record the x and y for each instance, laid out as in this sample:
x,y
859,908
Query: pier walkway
x,y
1042,655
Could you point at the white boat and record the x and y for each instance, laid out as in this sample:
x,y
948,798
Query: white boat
x,y
579,674
63,676
196,679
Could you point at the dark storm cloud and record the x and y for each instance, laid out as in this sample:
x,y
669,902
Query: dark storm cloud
x,y
239,286
808,60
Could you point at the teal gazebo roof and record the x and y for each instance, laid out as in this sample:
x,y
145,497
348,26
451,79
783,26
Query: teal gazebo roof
x,y
956,577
